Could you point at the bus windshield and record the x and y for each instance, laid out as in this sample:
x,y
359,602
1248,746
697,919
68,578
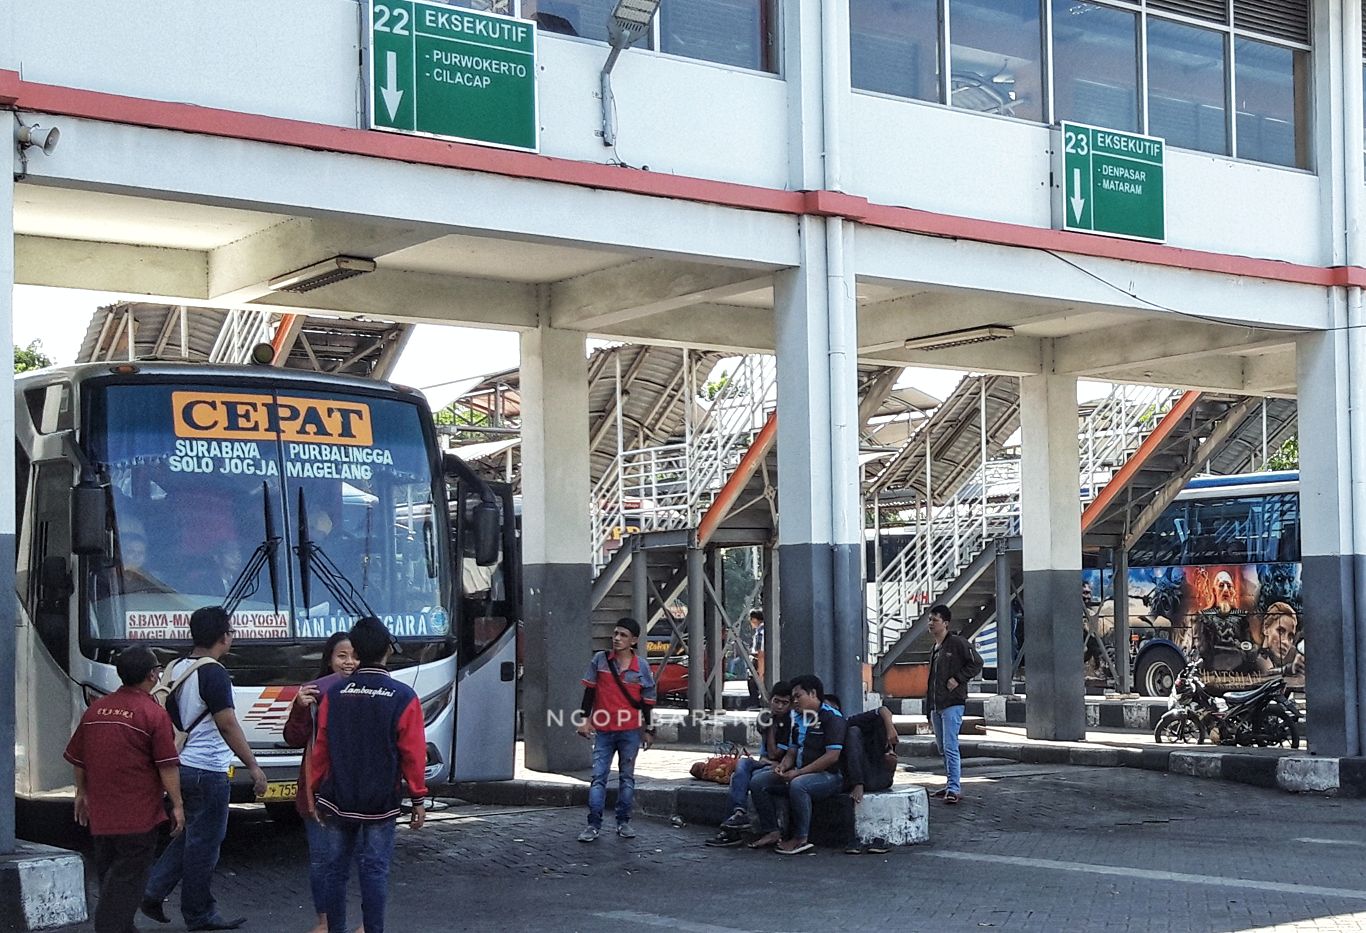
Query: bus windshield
x,y
306,505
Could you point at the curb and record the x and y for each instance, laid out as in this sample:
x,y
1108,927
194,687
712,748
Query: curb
x,y
42,887
1295,774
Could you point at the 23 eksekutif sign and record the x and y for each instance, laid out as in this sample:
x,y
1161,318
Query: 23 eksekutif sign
x,y
456,74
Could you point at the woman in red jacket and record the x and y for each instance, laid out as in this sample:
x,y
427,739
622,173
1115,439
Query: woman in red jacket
x,y
338,663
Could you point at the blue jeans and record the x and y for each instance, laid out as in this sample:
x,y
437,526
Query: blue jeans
x,y
192,856
745,770
371,844
800,793
319,863
947,723
625,745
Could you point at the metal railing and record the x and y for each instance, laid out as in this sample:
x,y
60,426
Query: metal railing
x,y
670,486
243,329
947,538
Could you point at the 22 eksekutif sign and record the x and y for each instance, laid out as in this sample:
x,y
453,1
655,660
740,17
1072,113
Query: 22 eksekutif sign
x,y
454,74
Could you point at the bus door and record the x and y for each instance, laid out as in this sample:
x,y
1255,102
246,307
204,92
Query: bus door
x,y
486,684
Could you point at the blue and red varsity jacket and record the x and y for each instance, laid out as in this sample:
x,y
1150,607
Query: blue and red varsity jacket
x,y
370,734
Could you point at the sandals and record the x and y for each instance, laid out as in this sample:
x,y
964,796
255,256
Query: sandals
x,y
939,793
952,798
761,844
804,847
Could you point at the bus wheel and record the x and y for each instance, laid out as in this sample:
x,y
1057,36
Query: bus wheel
x,y
1157,671
283,813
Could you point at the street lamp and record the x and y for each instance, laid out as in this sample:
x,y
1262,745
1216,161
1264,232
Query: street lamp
x,y
629,21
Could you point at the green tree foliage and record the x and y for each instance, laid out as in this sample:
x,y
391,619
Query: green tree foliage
x,y
1287,458
30,357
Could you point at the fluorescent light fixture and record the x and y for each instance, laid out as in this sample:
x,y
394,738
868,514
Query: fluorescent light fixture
x,y
635,13
327,272
960,338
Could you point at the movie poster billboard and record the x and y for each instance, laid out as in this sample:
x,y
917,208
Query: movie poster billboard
x,y
1243,621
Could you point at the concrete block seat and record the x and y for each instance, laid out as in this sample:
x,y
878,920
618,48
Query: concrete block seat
x,y
900,815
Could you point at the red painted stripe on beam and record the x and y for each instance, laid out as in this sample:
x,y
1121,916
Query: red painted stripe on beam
x,y
231,124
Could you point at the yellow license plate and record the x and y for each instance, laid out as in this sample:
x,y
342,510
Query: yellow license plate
x,y
281,790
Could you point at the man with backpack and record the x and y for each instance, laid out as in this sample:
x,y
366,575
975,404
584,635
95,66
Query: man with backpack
x,y
953,662
197,692
618,694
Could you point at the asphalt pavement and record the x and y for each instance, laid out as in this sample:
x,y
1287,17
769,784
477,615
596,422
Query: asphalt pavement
x,y
1032,847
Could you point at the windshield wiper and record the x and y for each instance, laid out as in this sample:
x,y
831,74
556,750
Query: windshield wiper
x,y
266,554
313,558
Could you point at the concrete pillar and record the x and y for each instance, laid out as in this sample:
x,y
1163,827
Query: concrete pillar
x,y
1005,648
697,595
819,534
1330,557
1119,595
772,630
9,617
1050,519
557,569
640,590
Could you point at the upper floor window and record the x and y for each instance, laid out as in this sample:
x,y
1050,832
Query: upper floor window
x,y
740,33
1230,77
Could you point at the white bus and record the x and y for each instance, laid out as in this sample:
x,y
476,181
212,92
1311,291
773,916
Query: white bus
x,y
297,501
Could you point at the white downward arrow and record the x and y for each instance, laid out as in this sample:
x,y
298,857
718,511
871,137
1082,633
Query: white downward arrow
x,y
1078,202
391,92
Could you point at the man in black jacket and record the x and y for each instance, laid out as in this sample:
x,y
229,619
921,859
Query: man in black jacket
x,y
953,662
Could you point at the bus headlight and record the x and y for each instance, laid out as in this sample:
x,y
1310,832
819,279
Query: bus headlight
x,y
434,703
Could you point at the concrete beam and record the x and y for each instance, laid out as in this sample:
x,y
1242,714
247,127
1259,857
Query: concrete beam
x,y
1159,342
1271,374
599,300
728,328
177,275
887,325
238,271
1014,356
1212,373
392,295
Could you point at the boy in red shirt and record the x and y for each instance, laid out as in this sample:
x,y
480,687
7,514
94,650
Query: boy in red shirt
x,y
618,694
125,760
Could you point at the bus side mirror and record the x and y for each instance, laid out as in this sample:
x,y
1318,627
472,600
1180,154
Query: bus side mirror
x,y
89,512
450,464
487,526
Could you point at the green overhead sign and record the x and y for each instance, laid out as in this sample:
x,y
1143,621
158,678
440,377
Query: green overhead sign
x,y
438,70
1112,182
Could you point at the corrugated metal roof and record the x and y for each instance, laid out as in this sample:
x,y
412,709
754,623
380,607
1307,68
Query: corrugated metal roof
x,y
156,330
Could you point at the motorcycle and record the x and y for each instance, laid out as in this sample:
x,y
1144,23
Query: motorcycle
x,y
1266,715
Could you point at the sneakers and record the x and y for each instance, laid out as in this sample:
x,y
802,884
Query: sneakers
x,y
725,839
626,831
878,846
589,835
737,820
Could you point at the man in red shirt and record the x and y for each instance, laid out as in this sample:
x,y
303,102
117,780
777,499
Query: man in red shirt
x,y
125,760
618,694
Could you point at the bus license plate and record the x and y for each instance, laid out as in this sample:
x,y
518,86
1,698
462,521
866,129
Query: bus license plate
x,y
281,790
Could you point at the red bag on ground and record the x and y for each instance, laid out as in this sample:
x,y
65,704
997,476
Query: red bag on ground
x,y
718,768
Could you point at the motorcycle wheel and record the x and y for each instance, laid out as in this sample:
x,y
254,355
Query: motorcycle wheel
x,y
1182,729
1280,729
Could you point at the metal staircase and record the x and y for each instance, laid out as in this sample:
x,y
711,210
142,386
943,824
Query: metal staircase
x,y
668,487
950,555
